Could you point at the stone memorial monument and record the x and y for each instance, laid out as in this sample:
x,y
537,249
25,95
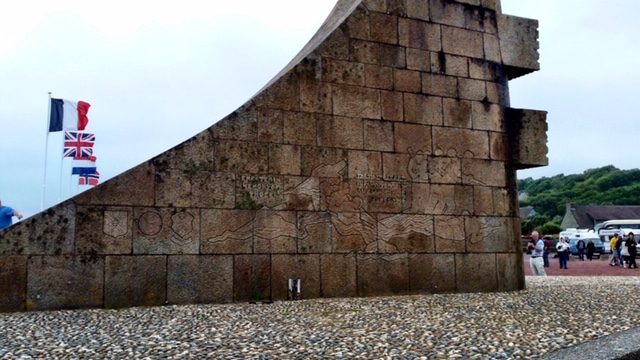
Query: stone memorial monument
x,y
381,160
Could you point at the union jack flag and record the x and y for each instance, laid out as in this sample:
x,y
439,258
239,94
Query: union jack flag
x,y
89,179
78,144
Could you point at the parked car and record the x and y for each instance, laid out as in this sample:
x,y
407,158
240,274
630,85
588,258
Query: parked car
x,y
597,242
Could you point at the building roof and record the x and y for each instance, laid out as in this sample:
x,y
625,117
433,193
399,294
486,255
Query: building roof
x,y
526,211
588,215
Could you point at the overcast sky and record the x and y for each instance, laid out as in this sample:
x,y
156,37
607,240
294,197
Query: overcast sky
x,y
158,72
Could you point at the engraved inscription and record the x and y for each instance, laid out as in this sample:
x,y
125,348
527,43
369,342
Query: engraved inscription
x,y
261,191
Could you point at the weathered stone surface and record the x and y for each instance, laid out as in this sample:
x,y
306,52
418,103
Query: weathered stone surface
x,y
418,9
422,109
441,199
166,231
503,202
447,12
241,157
13,280
492,49
483,172
299,128
195,153
462,42
518,44
341,132
412,138
301,193
103,230
275,232
449,64
528,129
384,28
510,272
457,113
489,234
239,125
48,233
476,273
199,279
431,273
380,77
405,233
284,159
378,135
460,143
499,146
418,60
251,278
303,267
338,275
419,35
64,282
282,94
343,72
392,105
382,274
445,170
353,232
135,281
209,189
449,234
324,162
488,117
270,122
226,231
472,89
259,191
439,85
314,232
133,187
365,165
356,102
483,200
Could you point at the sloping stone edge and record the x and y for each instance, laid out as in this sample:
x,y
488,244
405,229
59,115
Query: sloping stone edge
x,y
624,345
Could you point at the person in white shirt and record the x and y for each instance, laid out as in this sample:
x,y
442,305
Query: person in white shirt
x,y
537,249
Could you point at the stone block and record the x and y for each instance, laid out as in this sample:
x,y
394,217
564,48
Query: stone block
x,y
419,35
133,187
432,273
282,93
135,281
341,132
48,233
364,165
376,5
173,187
485,70
314,232
483,172
396,166
335,46
479,19
492,5
366,52
195,153
510,272
499,146
488,117
241,157
270,121
483,200
462,42
210,189
417,9
439,85
251,277
527,137
64,282
166,231
357,24
489,234
407,80
378,135
449,64
226,231
338,275
492,51
356,102
353,232
422,109
379,196
257,192
449,234
392,55
342,72
384,28
275,232
418,60
303,267
392,105
460,143
412,138
379,77
397,7
315,96
447,12
284,159
13,280
457,113
382,274
472,89
400,233
498,94
518,45
504,203
241,124
324,162
441,199
445,170
476,273
200,279
340,195
301,193
103,230
299,128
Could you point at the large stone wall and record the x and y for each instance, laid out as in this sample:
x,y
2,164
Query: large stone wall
x,y
381,160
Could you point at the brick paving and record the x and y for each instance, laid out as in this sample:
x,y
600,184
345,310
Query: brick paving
x,y
596,267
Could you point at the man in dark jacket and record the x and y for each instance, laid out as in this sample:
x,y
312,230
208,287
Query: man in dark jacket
x,y
581,246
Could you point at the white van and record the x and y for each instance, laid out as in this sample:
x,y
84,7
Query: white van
x,y
607,234
621,224
574,235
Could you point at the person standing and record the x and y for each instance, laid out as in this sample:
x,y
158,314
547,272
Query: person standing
x,y
6,216
614,251
619,247
591,248
581,246
535,262
563,252
631,246
547,250
624,251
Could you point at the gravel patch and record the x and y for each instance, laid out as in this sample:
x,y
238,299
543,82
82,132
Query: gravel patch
x,y
553,313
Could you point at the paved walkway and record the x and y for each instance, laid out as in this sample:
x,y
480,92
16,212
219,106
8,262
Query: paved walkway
x,y
554,312
596,267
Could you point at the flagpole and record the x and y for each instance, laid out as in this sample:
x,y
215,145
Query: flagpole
x,y
61,166
46,150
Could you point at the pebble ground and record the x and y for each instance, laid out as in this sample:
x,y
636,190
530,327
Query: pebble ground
x,y
553,313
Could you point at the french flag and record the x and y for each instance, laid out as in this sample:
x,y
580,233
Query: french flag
x,y
68,115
